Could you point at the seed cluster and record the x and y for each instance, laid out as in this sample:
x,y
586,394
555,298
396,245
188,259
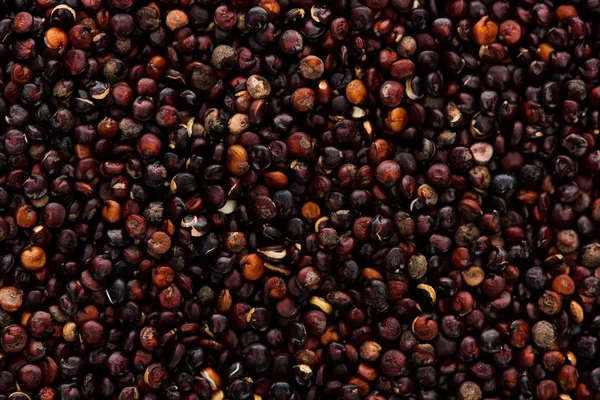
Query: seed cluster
x,y
299,199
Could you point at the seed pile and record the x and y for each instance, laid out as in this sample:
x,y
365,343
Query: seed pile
x,y
299,199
